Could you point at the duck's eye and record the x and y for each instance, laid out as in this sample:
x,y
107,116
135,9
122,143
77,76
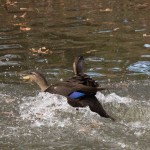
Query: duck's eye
x,y
32,73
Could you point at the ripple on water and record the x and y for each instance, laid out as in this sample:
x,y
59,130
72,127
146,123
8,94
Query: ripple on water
x,y
9,60
140,67
8,37
145,56
95,59
9,63
102,31
10,46
10,56
147,45
94,74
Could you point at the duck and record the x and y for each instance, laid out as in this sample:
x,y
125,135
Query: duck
x,y
80,89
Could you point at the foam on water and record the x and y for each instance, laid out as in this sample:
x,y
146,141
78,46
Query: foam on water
x,y
47,115
45,108
114,98
139,125
52,109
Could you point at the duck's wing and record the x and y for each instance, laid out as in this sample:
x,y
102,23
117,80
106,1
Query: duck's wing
x,y
79,76
84,79
78,65
67,88
95,106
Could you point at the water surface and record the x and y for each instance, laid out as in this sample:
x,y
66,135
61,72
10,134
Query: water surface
x,y
114,38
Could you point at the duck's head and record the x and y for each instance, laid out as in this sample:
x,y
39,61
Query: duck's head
x,y
37,78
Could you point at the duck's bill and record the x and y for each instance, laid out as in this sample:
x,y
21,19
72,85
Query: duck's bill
x,y
26,78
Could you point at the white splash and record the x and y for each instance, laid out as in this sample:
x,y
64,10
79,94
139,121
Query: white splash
x,y
138,125
52,109
113,98
45,108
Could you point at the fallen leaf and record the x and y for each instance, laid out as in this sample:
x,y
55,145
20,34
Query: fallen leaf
x,y
15,16
19,24
26,9
42,50
43,47
23,16
146,35
141,6
25,28
116,29
90,51
106,10
108,23
8,2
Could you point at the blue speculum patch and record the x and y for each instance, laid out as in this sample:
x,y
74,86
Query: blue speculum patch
x,y
76,95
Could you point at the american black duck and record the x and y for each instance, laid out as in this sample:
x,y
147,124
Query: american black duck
x,y
80,90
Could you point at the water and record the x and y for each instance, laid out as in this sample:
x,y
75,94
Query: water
x,y
46,35
46,121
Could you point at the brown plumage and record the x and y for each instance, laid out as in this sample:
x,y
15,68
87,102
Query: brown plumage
x,y
80,90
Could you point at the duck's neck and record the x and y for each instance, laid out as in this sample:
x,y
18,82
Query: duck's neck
x,y
43,85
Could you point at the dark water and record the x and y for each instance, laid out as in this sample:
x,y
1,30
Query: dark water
x,y
114,38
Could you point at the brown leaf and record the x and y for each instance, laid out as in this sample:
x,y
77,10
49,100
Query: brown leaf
x,y
116,29
42,50
146,35
26,9
91,51
25,28
23,15
106,10
141,6
19,24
